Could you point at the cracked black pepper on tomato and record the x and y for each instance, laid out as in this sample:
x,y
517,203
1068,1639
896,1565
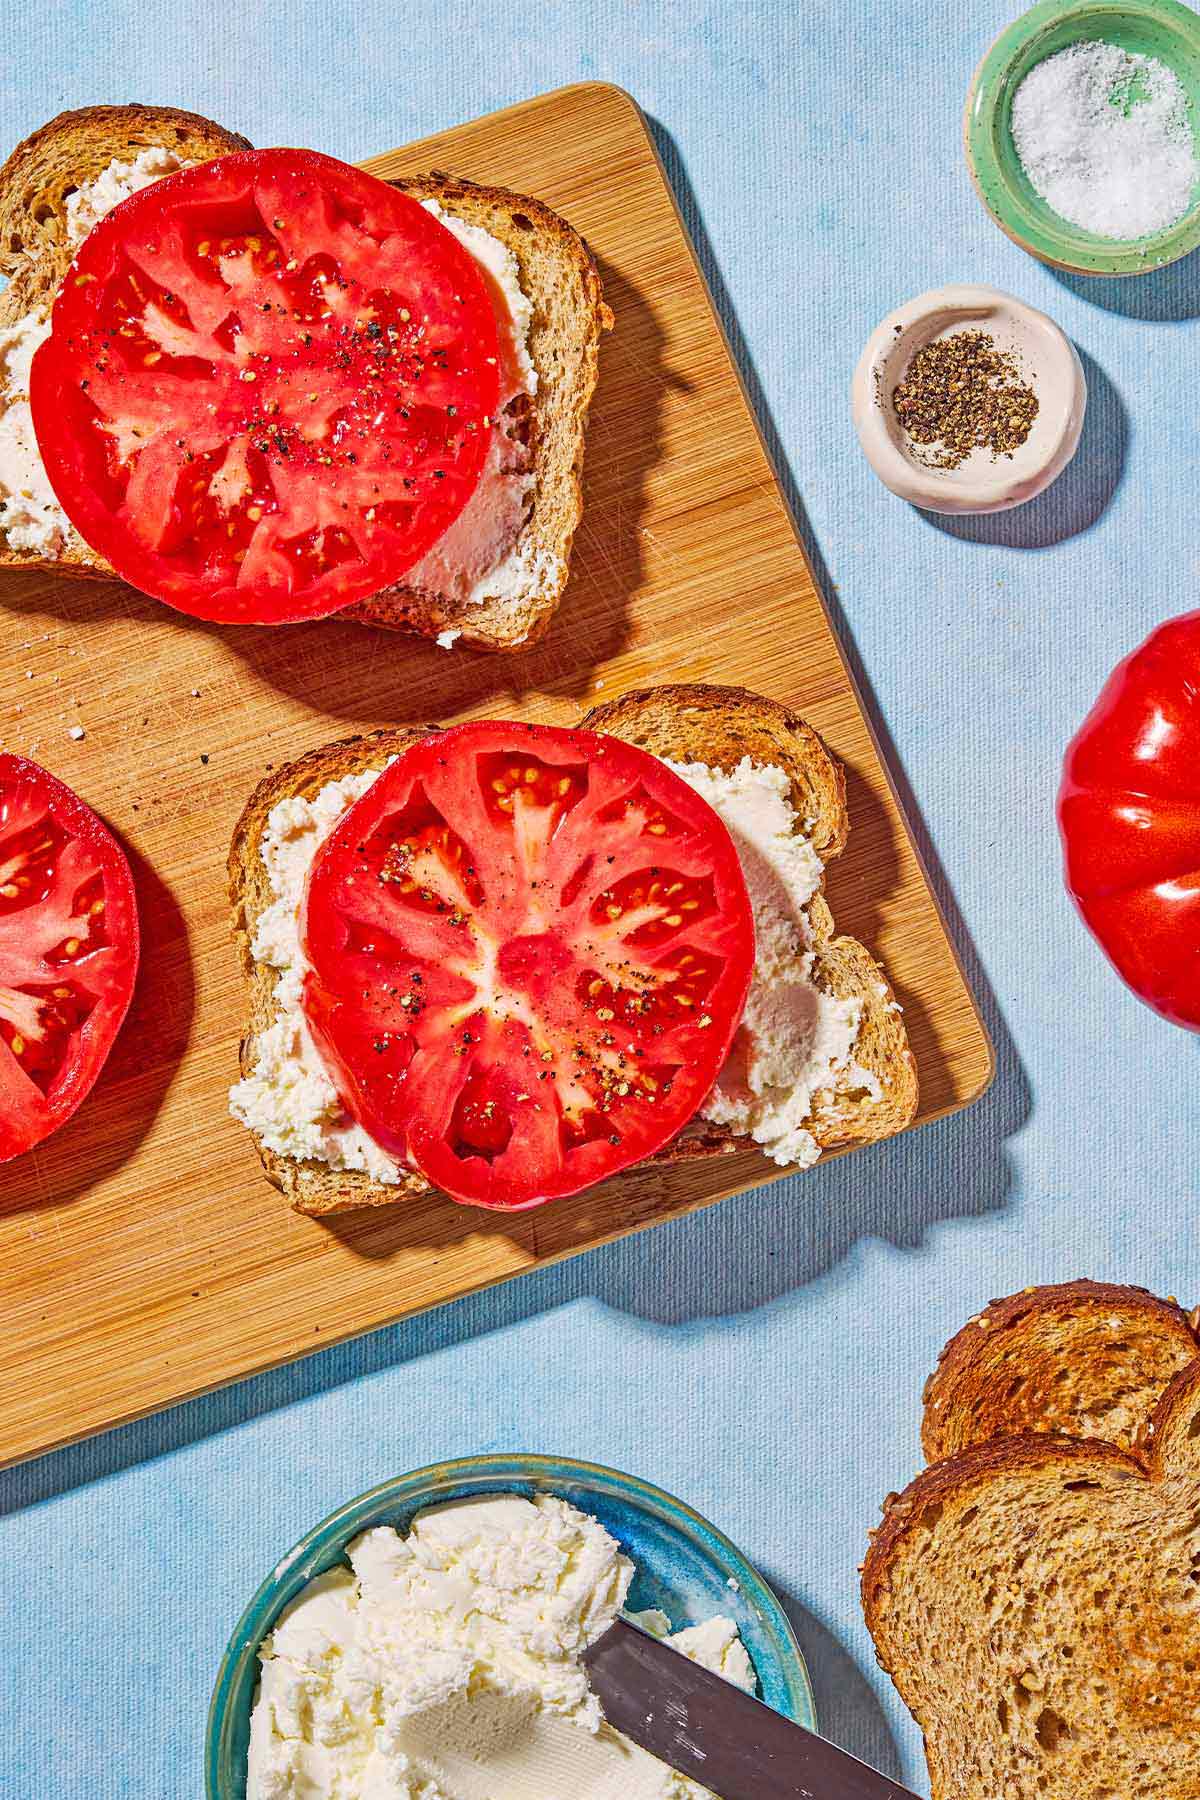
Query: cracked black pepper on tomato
x,y
268,386
530,951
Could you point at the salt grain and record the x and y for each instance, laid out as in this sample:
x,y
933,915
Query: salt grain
x,y
1105,138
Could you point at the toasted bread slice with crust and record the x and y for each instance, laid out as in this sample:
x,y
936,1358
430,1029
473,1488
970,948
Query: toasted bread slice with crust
x,y
1085,1358
1035,1601
557,271
717,725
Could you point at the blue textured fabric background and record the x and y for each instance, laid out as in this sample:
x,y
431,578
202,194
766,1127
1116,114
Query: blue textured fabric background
x,y
763,1360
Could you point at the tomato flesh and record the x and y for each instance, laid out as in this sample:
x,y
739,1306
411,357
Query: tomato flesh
x,y
268,387
530,950
1129,812
68,951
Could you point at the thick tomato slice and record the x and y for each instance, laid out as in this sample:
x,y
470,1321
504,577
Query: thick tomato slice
x,y
68,951
268,386
530,952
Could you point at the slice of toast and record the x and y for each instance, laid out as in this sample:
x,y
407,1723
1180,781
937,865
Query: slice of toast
x,y
1036,1602
1086,1358
36,183
557,272
717,725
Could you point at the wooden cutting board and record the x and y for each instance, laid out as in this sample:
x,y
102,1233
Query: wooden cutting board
x,y
143,1257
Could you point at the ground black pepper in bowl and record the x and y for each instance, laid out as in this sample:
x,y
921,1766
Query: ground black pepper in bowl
x,y
960,394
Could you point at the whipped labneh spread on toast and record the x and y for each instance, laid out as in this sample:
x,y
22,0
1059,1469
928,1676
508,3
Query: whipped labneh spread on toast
x,y
288,1098
478,557
795,1039
445,1665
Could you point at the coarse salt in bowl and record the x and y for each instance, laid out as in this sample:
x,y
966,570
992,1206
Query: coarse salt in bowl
x,y
1047,361
1162,30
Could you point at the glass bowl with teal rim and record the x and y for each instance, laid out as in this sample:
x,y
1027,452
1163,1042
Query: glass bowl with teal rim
x,y
685,1567
1162,29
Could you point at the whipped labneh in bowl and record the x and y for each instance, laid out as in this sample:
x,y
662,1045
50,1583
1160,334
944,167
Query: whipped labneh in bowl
x,y
686,1575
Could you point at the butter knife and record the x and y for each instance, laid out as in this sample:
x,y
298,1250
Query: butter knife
x,y
705,1728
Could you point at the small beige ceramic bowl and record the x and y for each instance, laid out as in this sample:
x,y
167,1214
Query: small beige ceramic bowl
x,y
983,483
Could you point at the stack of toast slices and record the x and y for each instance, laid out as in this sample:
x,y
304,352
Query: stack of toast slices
x,y
557,272
1035,1593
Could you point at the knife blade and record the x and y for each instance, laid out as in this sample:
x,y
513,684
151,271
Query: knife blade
x,y
704,1727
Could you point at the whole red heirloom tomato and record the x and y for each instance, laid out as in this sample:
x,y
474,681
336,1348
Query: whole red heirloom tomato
x,y
1129,811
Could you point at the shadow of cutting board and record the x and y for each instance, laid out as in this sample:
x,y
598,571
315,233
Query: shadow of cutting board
x,y
143,1257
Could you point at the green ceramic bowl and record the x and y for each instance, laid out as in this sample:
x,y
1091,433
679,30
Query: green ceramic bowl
x,y
685,1567
1159,28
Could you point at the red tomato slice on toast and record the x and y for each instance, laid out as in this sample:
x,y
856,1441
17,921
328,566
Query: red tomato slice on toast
x,y
68,951
268,386
530,950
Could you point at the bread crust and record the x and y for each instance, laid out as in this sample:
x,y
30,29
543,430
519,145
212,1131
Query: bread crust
x,y
710,719
1088,1358
558,272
